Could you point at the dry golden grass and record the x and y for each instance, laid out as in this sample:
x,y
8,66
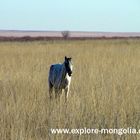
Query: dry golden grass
x,y
104,93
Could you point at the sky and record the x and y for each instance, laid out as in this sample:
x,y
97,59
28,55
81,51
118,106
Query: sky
x,y
72,15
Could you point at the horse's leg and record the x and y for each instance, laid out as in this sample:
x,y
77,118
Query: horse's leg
x,y
66,93
58,93
50,90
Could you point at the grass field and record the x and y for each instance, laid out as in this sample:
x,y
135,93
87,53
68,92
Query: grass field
x,y
104,92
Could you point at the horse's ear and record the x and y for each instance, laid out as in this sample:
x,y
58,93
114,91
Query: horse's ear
x,y
65,58
69,58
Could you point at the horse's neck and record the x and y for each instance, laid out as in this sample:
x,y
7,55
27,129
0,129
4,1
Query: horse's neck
x,y
63,72
62,75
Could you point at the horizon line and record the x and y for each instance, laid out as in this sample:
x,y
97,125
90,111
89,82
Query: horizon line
x,y
24,30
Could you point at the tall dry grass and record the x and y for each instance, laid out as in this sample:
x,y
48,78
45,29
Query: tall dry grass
x,y
104,93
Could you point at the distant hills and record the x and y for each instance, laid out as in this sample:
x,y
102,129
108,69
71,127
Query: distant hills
x,y
15,34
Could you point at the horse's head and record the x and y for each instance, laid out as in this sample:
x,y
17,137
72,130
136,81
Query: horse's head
x,y
68,65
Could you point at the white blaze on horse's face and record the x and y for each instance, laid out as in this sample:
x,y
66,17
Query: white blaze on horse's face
x,y
68,66
71,66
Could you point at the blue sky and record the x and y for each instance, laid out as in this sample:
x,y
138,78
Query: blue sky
x,y
73,15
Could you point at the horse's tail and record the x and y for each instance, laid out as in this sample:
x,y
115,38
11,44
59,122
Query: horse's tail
x,y
50,81
50,72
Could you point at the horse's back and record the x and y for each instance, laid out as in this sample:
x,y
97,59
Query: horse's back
x,y
56,68
54,73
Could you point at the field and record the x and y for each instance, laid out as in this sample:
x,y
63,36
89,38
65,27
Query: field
x,y
104,93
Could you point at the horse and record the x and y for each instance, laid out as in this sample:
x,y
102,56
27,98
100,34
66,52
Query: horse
x,y
60,78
